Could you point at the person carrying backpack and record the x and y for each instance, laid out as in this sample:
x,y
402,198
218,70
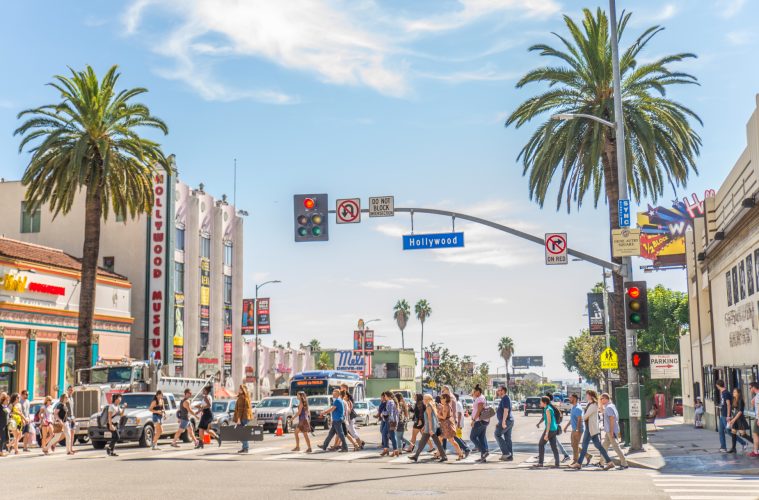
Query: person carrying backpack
x,y
551,419
560,417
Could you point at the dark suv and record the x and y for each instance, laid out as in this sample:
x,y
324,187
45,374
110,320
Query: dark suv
x,y
532,405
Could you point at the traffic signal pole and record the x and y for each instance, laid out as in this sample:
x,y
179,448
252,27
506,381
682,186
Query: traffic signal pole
x,y
631,337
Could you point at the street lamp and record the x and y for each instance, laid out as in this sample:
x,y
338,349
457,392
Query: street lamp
x,y
255,332
363,345
572,116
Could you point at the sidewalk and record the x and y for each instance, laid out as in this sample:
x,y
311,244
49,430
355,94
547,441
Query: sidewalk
x,y
674,447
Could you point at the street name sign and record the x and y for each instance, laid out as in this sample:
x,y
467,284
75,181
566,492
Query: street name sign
x,y
556,249
432,241
609,360
635,411
381,206
623,210
348,211
665,366
625,242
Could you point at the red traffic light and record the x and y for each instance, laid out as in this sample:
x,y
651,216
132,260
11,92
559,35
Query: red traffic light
x,y
641,359
633,292
636,360
309,203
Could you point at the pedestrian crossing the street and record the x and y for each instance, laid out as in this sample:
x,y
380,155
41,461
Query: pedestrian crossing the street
x,y
707,487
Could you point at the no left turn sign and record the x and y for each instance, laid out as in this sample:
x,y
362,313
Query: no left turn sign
x,y
348,211
556,249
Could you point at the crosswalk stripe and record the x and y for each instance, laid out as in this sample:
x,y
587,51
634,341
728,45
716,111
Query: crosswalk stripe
x,y
712,497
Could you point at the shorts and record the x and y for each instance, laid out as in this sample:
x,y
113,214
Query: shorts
x,y
157,419
183,424
25,429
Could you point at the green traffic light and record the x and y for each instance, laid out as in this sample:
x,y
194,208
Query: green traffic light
x,y
635,318
316,231
302,231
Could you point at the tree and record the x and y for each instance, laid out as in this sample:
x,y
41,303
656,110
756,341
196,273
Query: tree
x,y
660,143
315,345
323,362
668,320
90,141
401,313
582,355
423,311
506,350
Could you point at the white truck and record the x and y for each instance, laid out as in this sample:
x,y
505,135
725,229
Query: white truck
x,y
135,376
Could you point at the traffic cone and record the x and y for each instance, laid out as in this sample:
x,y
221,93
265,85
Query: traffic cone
x,y
280,431
206,438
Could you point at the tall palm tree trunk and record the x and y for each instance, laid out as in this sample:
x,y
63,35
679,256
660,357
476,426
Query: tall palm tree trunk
x,y
90,254
422,356
403,342
616,302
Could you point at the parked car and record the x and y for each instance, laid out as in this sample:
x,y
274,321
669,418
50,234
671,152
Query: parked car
x,y
375,403
677,406
365,411
494,404
139,423
566,406
532,405
223,411
515,405
270,409
467,402
316,405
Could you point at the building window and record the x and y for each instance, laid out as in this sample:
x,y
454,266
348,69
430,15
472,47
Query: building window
x,y
8,380
180,239
205,247
227,254
30,221
70,364
179,277
41,371
109,263
227,289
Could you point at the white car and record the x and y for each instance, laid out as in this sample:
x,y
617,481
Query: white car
x,y
365,412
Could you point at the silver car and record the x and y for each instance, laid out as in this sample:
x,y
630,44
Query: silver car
x,y
270,410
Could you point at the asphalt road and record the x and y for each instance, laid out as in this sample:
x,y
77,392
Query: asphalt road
x,y
272,470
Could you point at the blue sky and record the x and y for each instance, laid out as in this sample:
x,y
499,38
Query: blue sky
x,y
360,98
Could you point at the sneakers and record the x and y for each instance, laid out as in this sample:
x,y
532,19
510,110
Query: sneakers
x,y
753,454
723,450
565,459
609,466
242,451
506,458
321,447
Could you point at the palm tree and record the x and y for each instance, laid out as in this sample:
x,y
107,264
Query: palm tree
x,y
506,349
90,141
660,143
423,311
315,345
401,313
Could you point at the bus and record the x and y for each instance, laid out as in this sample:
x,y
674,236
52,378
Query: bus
x,y
323,382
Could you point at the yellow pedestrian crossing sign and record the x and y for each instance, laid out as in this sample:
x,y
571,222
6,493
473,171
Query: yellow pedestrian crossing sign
x,y
609,359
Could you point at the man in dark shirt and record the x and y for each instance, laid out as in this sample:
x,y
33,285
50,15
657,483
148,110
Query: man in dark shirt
x,y
504,424
725,400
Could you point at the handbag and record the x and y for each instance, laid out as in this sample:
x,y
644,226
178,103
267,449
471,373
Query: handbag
x,y
459,432
487,413
57,427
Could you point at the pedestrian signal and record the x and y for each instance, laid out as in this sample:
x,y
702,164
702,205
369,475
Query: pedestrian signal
x,y
641,360
636,305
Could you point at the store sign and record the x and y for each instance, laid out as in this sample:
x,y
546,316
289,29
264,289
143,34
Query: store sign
x,y
283,368
16,283
250,374
178,340
348,361
263,320
208,363
227,340
205,301
665,366
157,256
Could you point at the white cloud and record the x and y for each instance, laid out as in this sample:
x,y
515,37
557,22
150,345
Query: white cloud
x,y
470,11
340,42
739,37
729,8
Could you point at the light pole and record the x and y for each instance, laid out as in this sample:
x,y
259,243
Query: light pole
x,y
255,332
625,272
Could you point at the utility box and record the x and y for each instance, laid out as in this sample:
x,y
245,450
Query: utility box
x,y
622,401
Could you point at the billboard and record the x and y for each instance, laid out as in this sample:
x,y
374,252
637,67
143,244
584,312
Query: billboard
x,y
662,229
348,361
526,361
158,256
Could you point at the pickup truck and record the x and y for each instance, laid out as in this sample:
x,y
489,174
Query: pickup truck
x,y
139,422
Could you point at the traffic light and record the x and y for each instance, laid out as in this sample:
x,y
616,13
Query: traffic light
x,y
311,221
636,305
641,360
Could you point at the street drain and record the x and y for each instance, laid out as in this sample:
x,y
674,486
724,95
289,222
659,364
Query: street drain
x,y
413,493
